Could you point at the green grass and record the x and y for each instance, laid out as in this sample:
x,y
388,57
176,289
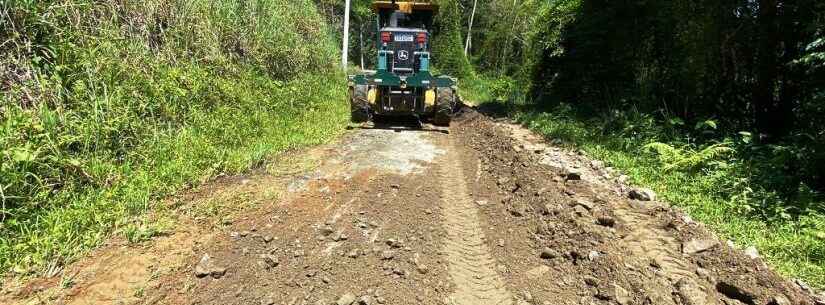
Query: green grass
x,y
112,106
795,247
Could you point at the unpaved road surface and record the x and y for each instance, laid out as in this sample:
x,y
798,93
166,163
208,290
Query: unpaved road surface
x,y
484,214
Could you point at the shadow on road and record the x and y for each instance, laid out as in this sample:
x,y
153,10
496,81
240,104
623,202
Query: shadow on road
x,y
399,124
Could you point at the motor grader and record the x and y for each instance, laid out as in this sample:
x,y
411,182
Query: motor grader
x,y
402,83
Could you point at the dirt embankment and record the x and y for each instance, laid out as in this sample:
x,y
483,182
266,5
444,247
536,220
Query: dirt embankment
x,y
485,214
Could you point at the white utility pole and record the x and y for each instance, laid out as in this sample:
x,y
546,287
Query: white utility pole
x,y
345,50
470,29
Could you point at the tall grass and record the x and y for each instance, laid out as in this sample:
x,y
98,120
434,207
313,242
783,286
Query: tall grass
x,y
109,105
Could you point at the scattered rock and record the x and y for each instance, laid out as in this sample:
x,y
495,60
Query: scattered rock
x,y
387,255
622,296
780,300
202,268
606,221
548,253
584,203
733,291
326,231
346,299
354,253
699,245
217,272
591,281
593,255
537,272
365,300
752,252
642,194
206,267
422,268
267,238
596,164
690,292
267,301
340,236
573,175
481,202
269,260
392,242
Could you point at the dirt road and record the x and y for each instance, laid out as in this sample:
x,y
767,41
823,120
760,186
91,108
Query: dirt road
x,y
486,213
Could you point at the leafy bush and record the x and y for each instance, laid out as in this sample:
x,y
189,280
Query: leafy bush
x,y
108,105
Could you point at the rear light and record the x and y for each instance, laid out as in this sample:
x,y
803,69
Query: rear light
x,y
386,37
422,38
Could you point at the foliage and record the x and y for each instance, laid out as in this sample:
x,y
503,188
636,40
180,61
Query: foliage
x,y
106,106
682,159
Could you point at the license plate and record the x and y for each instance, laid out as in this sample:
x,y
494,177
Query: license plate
x,y
404,38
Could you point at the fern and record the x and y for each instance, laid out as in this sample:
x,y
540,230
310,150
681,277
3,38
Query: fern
x,y
684,159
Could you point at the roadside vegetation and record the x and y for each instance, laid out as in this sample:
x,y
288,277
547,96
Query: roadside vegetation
x,y
108,106
717,106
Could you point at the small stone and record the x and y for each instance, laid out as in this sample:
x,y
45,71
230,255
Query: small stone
x,y
244,233
392,242
346,299
752,252
690,292
537,272
780,300
591,281
573,175
642,194
354,253
217,272
698,246
622,296
593,255
606,221
548,253
501,242
585,204
596,164
422,268
428,211
387,255
270,261
399,271
267,238
481,202
326,231
202,268
340,236
365,300
267,301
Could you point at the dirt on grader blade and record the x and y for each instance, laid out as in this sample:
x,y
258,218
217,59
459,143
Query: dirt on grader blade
x,y
487,213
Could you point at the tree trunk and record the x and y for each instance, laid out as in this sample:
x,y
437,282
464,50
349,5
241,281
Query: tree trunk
x,y
470,30
361,45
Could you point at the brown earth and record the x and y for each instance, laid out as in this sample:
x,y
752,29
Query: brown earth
x,y
485,214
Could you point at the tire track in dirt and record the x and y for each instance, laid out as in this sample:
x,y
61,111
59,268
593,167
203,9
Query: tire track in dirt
x,y
471,266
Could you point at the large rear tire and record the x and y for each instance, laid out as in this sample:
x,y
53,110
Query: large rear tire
x,y
444,105
359,105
